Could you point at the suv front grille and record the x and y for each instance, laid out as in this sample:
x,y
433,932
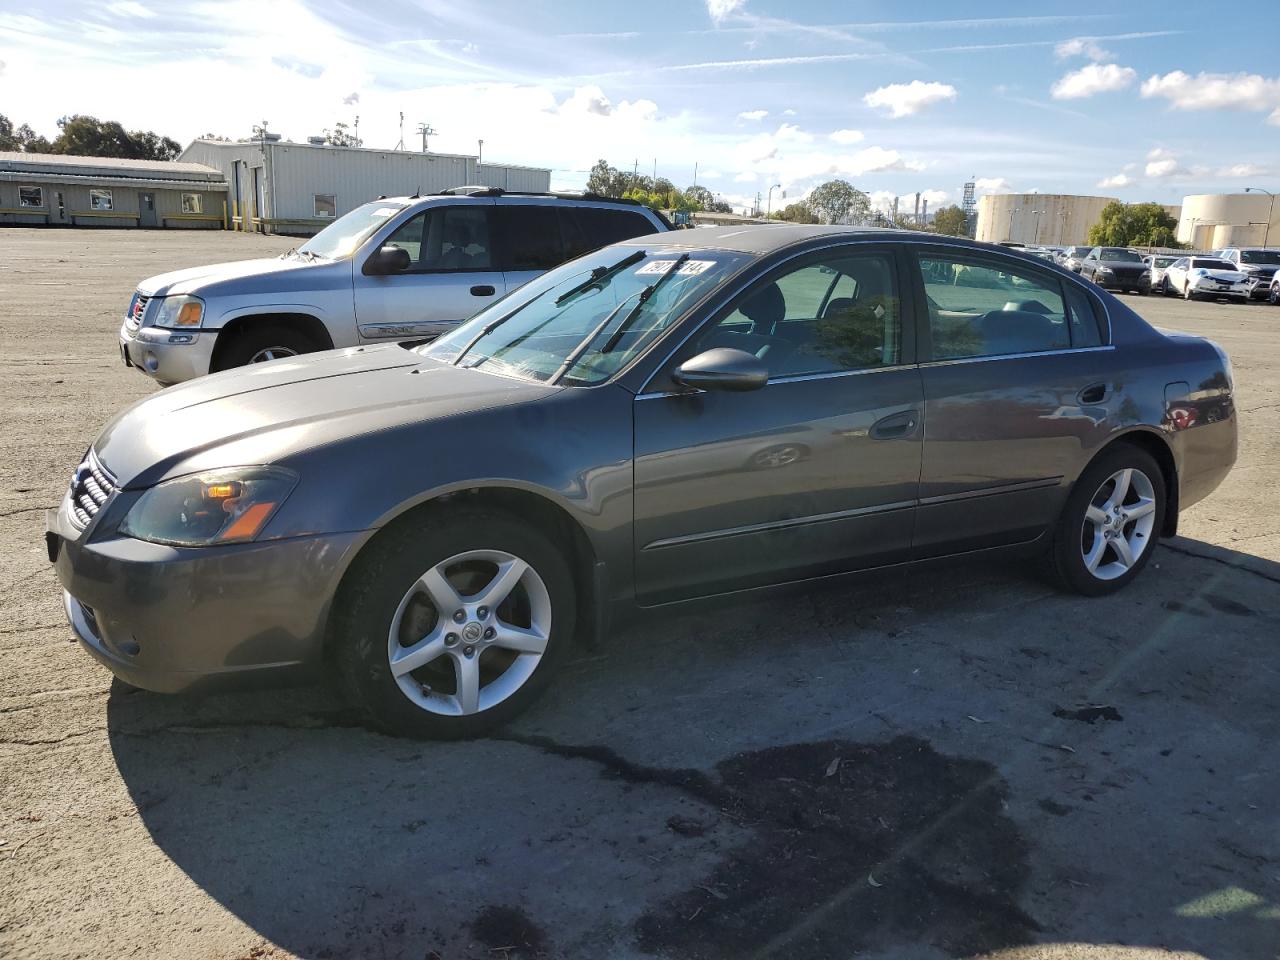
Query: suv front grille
x,y
91,485
137,310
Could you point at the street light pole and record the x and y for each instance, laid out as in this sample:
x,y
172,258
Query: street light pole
x,y
480,154
1271,209
769,206
1010,236
1036,238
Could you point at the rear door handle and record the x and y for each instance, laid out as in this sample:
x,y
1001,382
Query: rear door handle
x,y
483,290
896,426
1092,394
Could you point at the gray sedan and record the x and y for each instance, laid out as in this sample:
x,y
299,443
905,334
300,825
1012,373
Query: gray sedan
x,y
668,418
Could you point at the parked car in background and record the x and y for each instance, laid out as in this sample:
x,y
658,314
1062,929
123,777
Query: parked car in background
x,y
1073,258
393,269
1156,265
1258,264
1197,278
1117,268
657,421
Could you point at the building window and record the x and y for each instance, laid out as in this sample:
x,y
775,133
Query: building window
x,y
31,196
99,199
192,203
325,206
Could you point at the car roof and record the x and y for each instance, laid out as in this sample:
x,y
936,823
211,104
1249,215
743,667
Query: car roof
x,y
764,238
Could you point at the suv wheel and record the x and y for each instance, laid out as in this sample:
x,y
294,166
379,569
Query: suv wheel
x,y
1110,523
260,344
455,623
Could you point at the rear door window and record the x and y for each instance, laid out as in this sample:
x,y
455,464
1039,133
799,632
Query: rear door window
x,y
981,308
531,237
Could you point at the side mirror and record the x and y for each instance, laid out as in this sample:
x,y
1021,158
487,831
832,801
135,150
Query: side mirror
x,y
388,260
722,368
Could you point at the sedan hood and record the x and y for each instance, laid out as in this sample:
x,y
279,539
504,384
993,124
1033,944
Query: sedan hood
x,y
263,413
196,279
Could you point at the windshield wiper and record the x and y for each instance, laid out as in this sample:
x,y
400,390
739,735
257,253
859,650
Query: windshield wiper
x,y
645,294
598,276
581,348
493,325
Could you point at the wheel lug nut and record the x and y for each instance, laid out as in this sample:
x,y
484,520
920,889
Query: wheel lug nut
x,y
450,639
469,651
490,633
459,616
482,612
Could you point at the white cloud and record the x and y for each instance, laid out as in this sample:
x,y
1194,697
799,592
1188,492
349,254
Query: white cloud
x,y
592,100
753,114
788,112
745,177
1245,170
905,99
1119,180
720,10
878,160
846,137
1217,91
351,99
1092,79
129,8
993,185
1162,163
935,197
1080,47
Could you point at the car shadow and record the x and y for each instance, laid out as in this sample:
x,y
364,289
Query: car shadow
x,y
938,765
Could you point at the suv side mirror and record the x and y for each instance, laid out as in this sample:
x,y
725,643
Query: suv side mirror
x,y
722,368
388,260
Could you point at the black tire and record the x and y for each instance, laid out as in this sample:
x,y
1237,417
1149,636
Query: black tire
x,y
1273,296
248,342
373,590
1164,287
1143,291
1067,561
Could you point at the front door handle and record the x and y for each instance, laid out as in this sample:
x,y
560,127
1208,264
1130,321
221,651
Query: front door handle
x,y
483,290
896,426
1093,394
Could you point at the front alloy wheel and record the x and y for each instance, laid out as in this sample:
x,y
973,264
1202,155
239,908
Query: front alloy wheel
x,y
453,620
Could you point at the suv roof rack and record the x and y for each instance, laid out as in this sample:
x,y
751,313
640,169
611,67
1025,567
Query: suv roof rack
x,y
481,191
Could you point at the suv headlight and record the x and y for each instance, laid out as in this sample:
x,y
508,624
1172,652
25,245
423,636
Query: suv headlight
x,y
179,312
221,506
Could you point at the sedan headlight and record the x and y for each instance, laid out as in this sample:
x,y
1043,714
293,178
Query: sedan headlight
x,y
180,311
1103,270
222,506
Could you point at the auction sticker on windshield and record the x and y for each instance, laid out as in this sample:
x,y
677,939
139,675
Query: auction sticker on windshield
x,y
688,268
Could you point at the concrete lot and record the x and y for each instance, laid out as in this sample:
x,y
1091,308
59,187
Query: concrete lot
x,y
891,769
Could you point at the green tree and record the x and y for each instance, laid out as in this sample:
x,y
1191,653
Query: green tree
x,y
838,201
21,138
340,136
951,221
86,136
798,212
1134,225
701,196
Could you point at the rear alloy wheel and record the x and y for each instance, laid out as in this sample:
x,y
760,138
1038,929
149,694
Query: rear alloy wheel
x,y
1188,292
452,626
1111,521
1273,295
1164,286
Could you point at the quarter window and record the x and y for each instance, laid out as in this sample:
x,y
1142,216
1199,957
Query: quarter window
x,y
980,308
31,196
192,203
100,200
324,206
1086,324
449,239
836,315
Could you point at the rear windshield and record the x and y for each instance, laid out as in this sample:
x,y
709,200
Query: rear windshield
x,y
1203,264
1119,254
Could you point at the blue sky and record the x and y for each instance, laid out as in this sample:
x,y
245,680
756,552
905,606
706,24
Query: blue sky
x,y
1145,100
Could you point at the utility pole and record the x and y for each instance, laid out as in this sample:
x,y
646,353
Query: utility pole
x,y
1037,230
695,173
355,131
1271,209
769,207
426,130
480,154
1010,236
400,144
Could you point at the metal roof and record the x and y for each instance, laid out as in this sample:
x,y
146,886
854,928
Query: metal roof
x,y
60,164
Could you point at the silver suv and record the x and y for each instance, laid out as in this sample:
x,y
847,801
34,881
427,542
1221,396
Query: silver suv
x,y
1257,263
394,269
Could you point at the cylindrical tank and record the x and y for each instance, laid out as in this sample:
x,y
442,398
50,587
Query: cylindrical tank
x,y
1055,219
1213,220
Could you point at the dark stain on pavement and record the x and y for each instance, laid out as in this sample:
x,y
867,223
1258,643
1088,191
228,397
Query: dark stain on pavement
x,y
508,930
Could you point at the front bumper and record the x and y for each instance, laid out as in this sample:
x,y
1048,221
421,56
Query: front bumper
x,y
1112,282
1211,288
174,619
1259,287
160,355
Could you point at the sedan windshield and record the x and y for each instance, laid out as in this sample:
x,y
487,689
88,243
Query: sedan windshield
x,y
583,322
341,238
1120,255
1269,257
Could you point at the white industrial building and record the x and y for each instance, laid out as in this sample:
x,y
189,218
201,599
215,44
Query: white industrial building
x,y
1210,221
281,187
1054,219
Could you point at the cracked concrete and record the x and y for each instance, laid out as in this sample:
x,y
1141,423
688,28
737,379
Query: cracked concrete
x,y
269,825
